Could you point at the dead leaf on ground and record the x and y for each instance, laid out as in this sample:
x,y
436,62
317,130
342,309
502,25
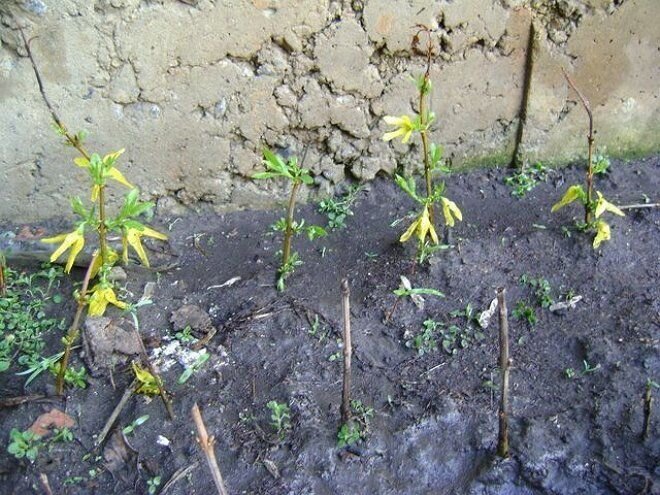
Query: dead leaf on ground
x,y
120,457
51,419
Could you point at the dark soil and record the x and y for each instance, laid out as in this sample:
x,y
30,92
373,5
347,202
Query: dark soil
x,y
434,427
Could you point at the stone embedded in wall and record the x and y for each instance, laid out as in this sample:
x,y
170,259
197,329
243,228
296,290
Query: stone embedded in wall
x,y
614,71
342,53
391,22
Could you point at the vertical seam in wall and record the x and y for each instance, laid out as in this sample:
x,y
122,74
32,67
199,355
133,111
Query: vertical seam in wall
x,y
517,160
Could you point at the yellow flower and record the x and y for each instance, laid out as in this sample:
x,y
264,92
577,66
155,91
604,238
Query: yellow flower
x,y
404,126
450,210
74,240
110,172
423,227
132,236
149,384
602,205
102,294
602,233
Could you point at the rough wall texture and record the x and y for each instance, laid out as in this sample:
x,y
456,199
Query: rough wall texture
x,y
195,88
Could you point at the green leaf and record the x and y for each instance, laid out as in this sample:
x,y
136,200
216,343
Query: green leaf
x,y
307,179
420,291
408,186
274,161
79,208
315,231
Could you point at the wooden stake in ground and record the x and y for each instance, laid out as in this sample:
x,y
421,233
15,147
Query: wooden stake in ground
x,y
206,443
505,363
348,351
648,405
3,283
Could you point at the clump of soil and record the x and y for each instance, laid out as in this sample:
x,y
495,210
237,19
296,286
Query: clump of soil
x,y
578,374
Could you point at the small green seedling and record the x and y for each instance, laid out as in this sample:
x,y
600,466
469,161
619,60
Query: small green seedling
x,y
426,341
526,179
423,227
357,428
593,207
280,416
185,336
570,373
276,167
23,317
588,368
195,367
127,430
153,484
24,444
524,311
542,290
62,435
339,209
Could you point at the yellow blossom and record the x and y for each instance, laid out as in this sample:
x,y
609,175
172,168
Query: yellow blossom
x,y
422,226
132,237
102,294
602,205
74,240
450,210
602,233
404,126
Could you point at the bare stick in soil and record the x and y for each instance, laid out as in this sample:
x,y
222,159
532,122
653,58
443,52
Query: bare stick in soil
x,y
74,330
206,443
505,363
115,413
3,283
348,351
590,140
648,405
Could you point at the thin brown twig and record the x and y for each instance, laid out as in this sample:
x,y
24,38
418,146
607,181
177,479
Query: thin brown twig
x,y
73,140
115,413
74,330
505,363
180,473
206,443
590,139
348,351
639,206
43,478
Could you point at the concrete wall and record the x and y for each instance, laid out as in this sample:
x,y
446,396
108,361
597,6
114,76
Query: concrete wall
x,y
195,88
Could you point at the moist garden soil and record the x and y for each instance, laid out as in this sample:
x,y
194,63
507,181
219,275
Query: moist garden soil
x,y
434,424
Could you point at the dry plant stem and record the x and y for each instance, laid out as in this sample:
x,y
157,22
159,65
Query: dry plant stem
x,y
179,474
505,363
74,329
288,233
115,413
206,443
648,405
590,139
73,141
639,206
43,478
3,283
348,351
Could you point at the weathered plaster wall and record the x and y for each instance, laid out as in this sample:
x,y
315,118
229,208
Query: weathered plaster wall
x,y
195,88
